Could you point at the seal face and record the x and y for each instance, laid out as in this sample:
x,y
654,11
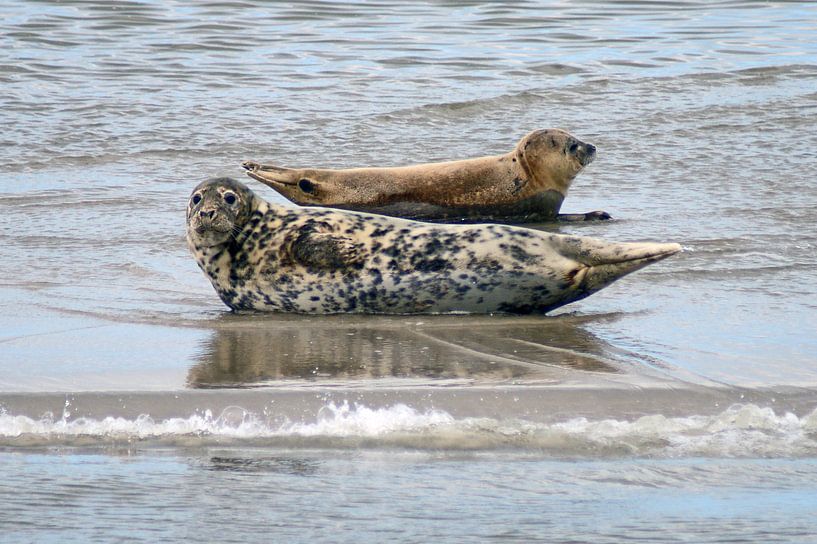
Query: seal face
x,y
216,211
524,185
261,256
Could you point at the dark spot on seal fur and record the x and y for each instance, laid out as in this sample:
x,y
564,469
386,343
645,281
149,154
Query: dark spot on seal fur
x,y
431,265
518,183
306,186
519,253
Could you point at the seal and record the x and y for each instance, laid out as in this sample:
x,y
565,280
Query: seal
x,y
268,257
525,185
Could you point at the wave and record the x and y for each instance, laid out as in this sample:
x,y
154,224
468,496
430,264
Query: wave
x,y
740,431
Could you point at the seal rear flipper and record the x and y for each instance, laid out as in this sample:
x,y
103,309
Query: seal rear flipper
x,y
601,263
593,252
600,276
270,174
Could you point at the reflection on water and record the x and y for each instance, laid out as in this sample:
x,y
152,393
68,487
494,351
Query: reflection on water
x,y
292,466
247,351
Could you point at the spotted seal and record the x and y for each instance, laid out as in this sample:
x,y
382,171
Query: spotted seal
x,y
262,256
525,185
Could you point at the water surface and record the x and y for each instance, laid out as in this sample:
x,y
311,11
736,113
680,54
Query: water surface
x,y
676,405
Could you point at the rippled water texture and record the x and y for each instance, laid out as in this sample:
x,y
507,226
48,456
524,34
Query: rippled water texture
x,y
112,339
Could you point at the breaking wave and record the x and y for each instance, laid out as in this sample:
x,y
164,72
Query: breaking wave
x,y
744,430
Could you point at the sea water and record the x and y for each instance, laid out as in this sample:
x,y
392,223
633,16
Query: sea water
x,y
677,405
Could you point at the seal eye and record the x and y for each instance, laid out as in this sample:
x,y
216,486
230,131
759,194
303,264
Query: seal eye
x,y
229,198
196,199
573,147
306,186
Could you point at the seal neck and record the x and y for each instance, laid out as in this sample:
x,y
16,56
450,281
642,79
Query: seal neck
x,y
554,181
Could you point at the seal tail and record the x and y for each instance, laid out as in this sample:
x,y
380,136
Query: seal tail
x,y
601,263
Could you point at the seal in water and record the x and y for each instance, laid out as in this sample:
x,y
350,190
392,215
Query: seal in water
x,y
526,185
262,256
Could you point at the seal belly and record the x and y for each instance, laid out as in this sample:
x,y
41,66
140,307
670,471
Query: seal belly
x,y
414,293
540,208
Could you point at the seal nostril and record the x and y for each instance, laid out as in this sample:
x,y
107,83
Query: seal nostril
x,y
591,149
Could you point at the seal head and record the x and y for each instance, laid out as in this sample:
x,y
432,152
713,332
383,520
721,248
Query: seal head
x,y
217,210
552,158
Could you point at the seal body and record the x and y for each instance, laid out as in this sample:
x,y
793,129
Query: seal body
x,y
261,256
527,184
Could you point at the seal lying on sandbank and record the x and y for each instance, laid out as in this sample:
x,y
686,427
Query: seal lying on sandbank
x,y
526,185
262,256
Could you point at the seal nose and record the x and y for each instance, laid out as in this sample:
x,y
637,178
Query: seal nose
x,y
586,154
207,214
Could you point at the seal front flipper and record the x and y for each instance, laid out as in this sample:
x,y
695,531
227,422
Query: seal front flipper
x,y
325,250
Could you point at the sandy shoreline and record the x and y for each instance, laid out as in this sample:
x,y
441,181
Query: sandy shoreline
x,y
532,402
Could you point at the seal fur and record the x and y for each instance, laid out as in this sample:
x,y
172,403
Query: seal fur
x,y
262,256
527,184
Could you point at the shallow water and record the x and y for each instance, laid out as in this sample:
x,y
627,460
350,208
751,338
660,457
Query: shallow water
x,y
374,496
681,398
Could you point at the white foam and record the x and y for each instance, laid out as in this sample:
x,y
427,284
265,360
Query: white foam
x,y
739,431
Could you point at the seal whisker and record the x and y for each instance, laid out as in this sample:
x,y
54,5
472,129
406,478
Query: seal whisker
x,y
235,232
